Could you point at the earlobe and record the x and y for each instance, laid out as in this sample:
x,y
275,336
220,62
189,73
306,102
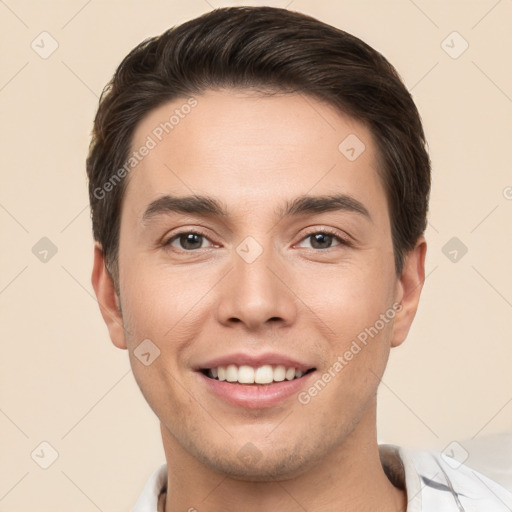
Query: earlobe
x,y
409,290
107,297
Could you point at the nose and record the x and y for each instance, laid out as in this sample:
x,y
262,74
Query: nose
x,y
257,293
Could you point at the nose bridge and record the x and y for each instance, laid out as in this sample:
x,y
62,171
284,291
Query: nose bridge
x,y
252,264
254,295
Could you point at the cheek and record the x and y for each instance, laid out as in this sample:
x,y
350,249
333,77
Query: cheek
x,y
163,303
163,391
349,299
168,308
356,308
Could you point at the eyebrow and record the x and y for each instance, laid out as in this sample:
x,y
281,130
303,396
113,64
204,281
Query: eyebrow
x,y
210,207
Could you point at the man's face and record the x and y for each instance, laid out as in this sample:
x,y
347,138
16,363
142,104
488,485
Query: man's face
x,y
254,288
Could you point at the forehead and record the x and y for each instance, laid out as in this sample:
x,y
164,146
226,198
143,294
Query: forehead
x,y
252,150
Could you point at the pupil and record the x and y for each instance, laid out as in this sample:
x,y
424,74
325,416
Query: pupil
x,y
320,239
191,239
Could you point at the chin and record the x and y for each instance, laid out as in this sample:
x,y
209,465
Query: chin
x,y
264,470
251,464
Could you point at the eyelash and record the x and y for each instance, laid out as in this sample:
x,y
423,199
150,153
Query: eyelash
x,y
324,231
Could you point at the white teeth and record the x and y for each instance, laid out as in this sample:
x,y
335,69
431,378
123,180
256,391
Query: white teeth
x,y
231,373
279,373
264,375
245,374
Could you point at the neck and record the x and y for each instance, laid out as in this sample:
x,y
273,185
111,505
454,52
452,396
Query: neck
x,y
350,478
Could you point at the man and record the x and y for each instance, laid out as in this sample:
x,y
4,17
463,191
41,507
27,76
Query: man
x,y
259,187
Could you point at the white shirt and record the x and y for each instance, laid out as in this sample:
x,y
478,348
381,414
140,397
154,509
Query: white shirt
x,y
433,482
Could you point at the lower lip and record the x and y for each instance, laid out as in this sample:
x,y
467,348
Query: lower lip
x,y
255,396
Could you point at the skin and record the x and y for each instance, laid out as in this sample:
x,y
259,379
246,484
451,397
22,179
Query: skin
x,y
253,153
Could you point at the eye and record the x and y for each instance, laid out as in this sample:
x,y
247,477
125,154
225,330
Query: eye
x,y
187,240
323,239
192,240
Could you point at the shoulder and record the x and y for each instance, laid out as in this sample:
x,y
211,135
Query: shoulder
x,y
439,481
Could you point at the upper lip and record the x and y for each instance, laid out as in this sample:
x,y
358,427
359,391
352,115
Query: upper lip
x,y
255,361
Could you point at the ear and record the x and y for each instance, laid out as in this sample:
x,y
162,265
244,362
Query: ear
x,y
408,291
107,298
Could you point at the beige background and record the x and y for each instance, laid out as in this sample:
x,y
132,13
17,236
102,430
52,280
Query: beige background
x,y
63,382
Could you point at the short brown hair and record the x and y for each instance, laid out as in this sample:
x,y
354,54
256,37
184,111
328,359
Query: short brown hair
x,y
269,49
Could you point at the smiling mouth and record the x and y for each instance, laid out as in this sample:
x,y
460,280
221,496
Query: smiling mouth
x,y
244,374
